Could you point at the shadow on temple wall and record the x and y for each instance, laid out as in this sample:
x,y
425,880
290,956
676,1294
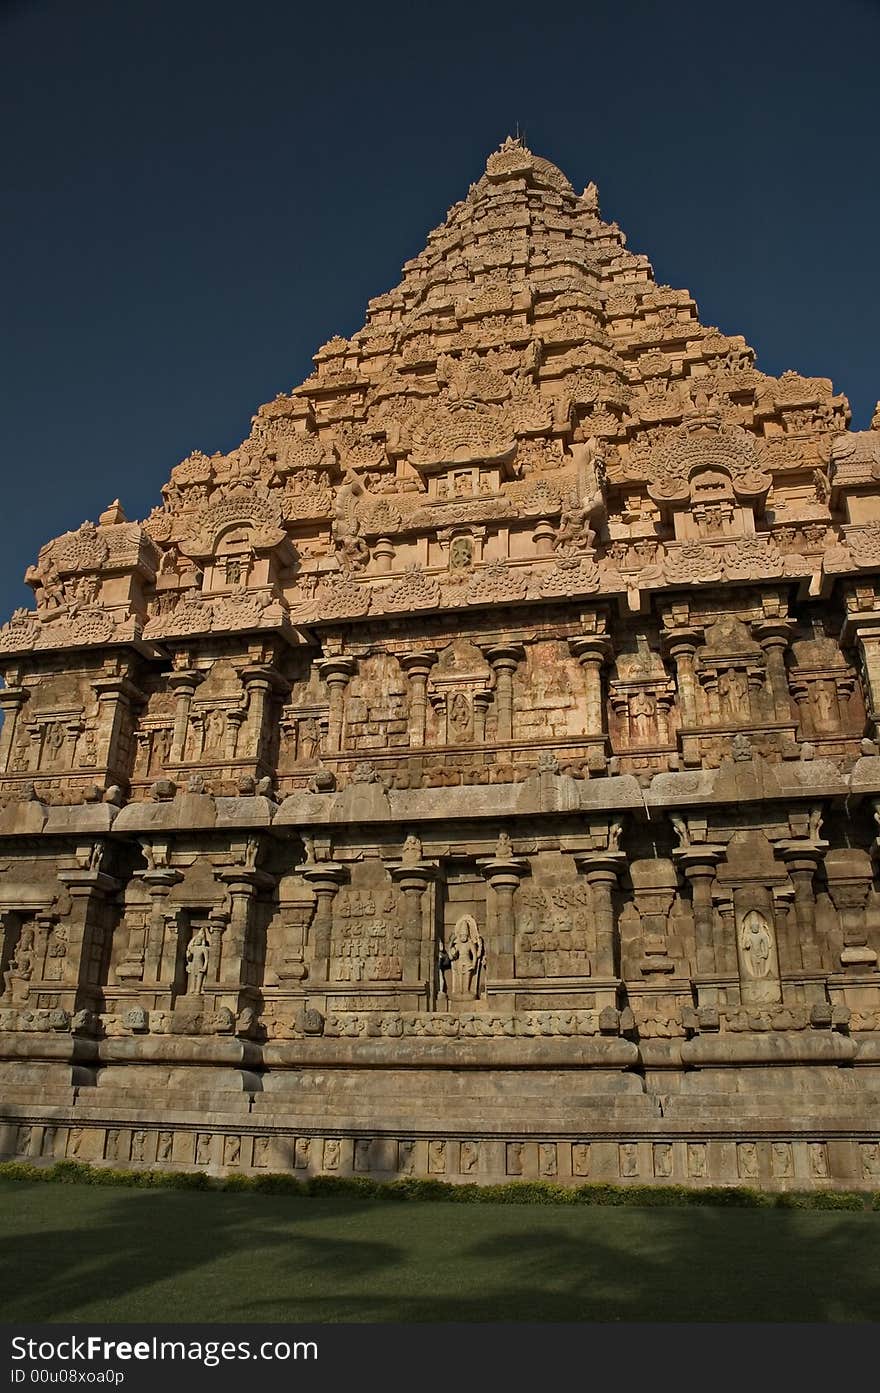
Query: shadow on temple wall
x,y
183,1257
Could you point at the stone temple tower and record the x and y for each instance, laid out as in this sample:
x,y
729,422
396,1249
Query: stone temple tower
x,y
474,773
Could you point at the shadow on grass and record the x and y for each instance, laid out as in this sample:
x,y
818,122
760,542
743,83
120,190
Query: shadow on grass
x,y
78,1254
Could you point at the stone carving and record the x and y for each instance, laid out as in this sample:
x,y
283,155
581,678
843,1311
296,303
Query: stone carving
x,y
197,961
508,699
757,944
466,951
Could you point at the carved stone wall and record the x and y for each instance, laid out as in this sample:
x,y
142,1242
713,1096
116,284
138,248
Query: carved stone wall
x,y
473,774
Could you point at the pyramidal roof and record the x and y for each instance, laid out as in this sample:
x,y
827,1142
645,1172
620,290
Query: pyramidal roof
x,y
527,375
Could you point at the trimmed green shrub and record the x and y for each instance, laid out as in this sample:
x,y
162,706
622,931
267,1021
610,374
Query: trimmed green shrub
x,y
407,1188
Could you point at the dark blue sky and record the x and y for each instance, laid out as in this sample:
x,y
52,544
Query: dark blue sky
x,y
196,194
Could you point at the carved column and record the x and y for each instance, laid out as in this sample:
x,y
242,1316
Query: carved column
x,y
325,878
243,885
88,932
260,682
337,673
417,666
698,864
12,699
773,635
117,699
592,652
601,870
413,878
802,861
849,897
504,874
864,627
183,683
504,659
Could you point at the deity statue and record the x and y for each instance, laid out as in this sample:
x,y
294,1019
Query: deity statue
x,y
197,961
757,945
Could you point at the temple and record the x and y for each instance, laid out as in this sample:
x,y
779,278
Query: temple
x,y
474,774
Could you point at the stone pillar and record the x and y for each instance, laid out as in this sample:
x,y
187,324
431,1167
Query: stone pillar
x,y
601,870
117,699
383,555
504,874
802,861
417,666
88,933
849,897
681,644
413,879
337,673
259,681
243,885
183,683
773,635
325,878
12,699
504,659
159,884
698,864
865,629
592,652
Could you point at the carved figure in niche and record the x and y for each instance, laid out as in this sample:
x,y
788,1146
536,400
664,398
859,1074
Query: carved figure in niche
x,y
782,1164
437,1157
197,961
203,1149
696,1154
23,1140
629,1159
642,710
21,965
825,702
747,1160
463,485
164,1146
870,1158
547,1159
302,1149
470,1154
74,1141
757,944
332,1151
54,742
138,1145
466,951
461,554
309,739
503,847
232,1151
460,715
111,1145
580,1158
515,1157
663,1160
818,1160
215,728
733,688
261,1151
615,832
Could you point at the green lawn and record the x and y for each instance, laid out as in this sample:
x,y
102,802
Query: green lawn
x,y
76,1253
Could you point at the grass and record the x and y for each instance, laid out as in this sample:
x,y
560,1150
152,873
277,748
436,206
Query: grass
x,y
87,1253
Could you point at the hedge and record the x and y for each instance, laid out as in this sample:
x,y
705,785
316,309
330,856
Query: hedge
x,y
543,1192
